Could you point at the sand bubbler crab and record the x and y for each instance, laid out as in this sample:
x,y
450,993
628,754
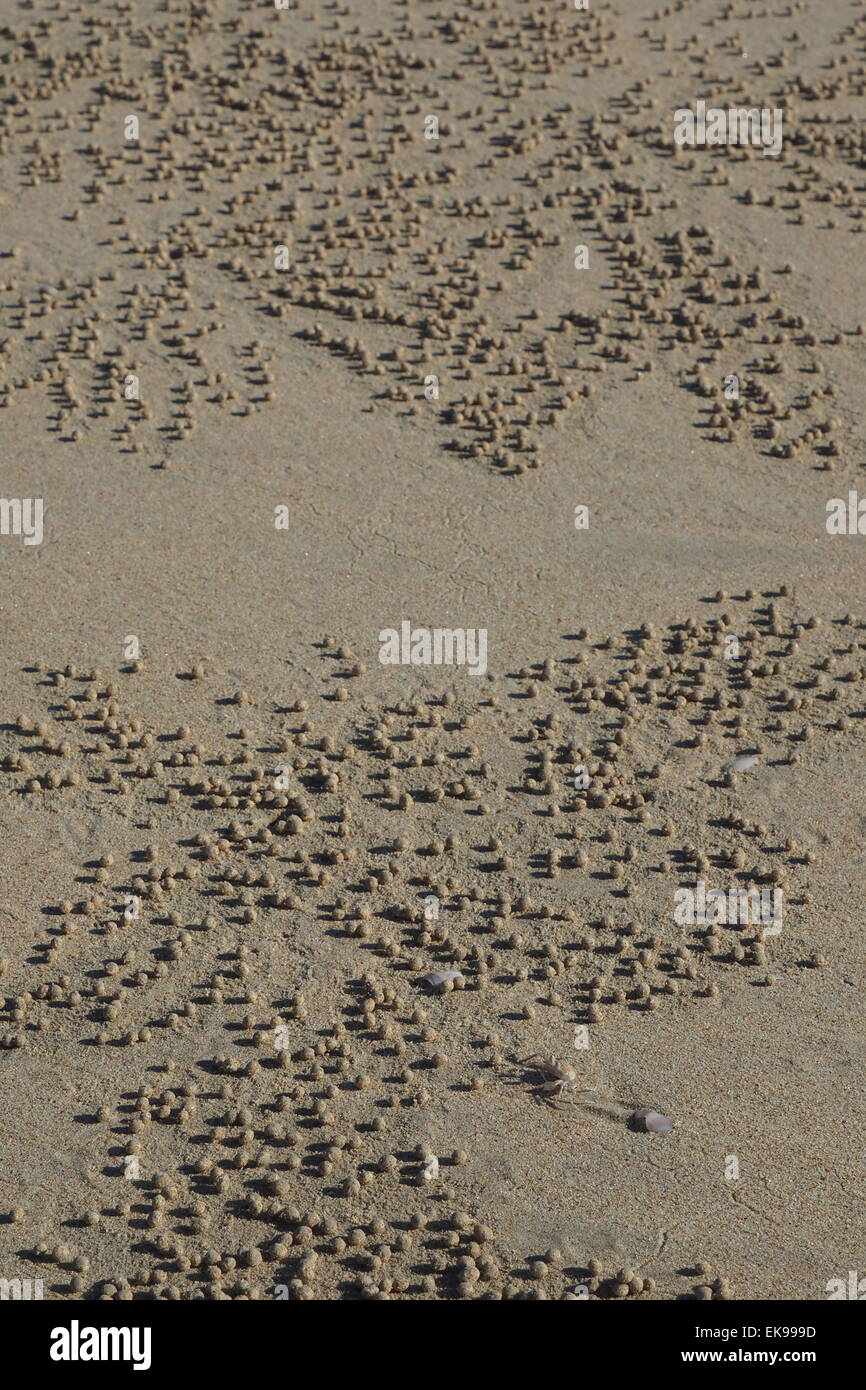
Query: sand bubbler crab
x,y
557,1079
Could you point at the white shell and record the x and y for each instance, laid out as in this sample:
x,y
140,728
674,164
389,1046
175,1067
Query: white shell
x,y
742,762
430,1168
652,1122
437,978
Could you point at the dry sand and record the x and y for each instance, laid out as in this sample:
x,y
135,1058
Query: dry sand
x,y
234,1092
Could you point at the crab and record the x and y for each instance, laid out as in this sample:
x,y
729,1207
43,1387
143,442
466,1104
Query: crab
x,y
556,1078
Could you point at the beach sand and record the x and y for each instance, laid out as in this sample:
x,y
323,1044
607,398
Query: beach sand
x,y
235,841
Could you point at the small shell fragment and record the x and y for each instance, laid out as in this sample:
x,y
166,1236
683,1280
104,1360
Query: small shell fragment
x,y
742,762
430,1168
651,1122
438,979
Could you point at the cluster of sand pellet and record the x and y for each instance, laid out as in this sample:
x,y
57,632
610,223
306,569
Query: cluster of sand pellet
x,y
284,1053
289,181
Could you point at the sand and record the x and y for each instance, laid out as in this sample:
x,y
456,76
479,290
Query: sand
x,y
235,841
